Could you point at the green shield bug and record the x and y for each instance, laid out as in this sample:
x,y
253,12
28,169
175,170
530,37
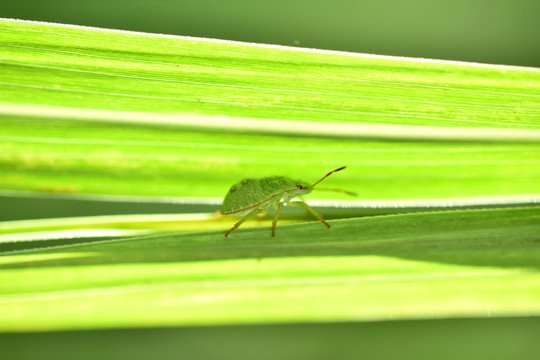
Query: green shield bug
x,y
252,196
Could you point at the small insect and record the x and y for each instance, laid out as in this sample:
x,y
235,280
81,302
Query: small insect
x,y
253,196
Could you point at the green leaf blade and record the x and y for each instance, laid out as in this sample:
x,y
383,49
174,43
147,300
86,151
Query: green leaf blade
x,y
446,264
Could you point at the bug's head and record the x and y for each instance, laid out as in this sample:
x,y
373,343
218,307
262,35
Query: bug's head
x,y
302,188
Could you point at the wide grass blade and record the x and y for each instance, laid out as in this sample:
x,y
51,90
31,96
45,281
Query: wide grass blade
x,y
106,112
475,263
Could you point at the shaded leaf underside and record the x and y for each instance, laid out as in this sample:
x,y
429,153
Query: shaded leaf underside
x,y
461,263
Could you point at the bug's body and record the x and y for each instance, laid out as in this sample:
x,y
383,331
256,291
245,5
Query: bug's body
x,y
249,194
252,196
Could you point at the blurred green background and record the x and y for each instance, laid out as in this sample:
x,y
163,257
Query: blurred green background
x,y
489,31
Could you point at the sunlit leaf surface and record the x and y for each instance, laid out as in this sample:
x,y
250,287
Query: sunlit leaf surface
x,y
100,112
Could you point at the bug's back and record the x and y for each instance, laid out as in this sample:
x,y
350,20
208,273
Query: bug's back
x,y
250,193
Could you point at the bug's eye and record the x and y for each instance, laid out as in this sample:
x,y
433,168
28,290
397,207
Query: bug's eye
x,y
300,187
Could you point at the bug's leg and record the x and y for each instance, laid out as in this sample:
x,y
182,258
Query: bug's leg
x,y
309,210
241,222
276,217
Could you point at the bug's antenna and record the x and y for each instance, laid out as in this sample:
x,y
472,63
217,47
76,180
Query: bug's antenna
x,y
327,175
351,193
